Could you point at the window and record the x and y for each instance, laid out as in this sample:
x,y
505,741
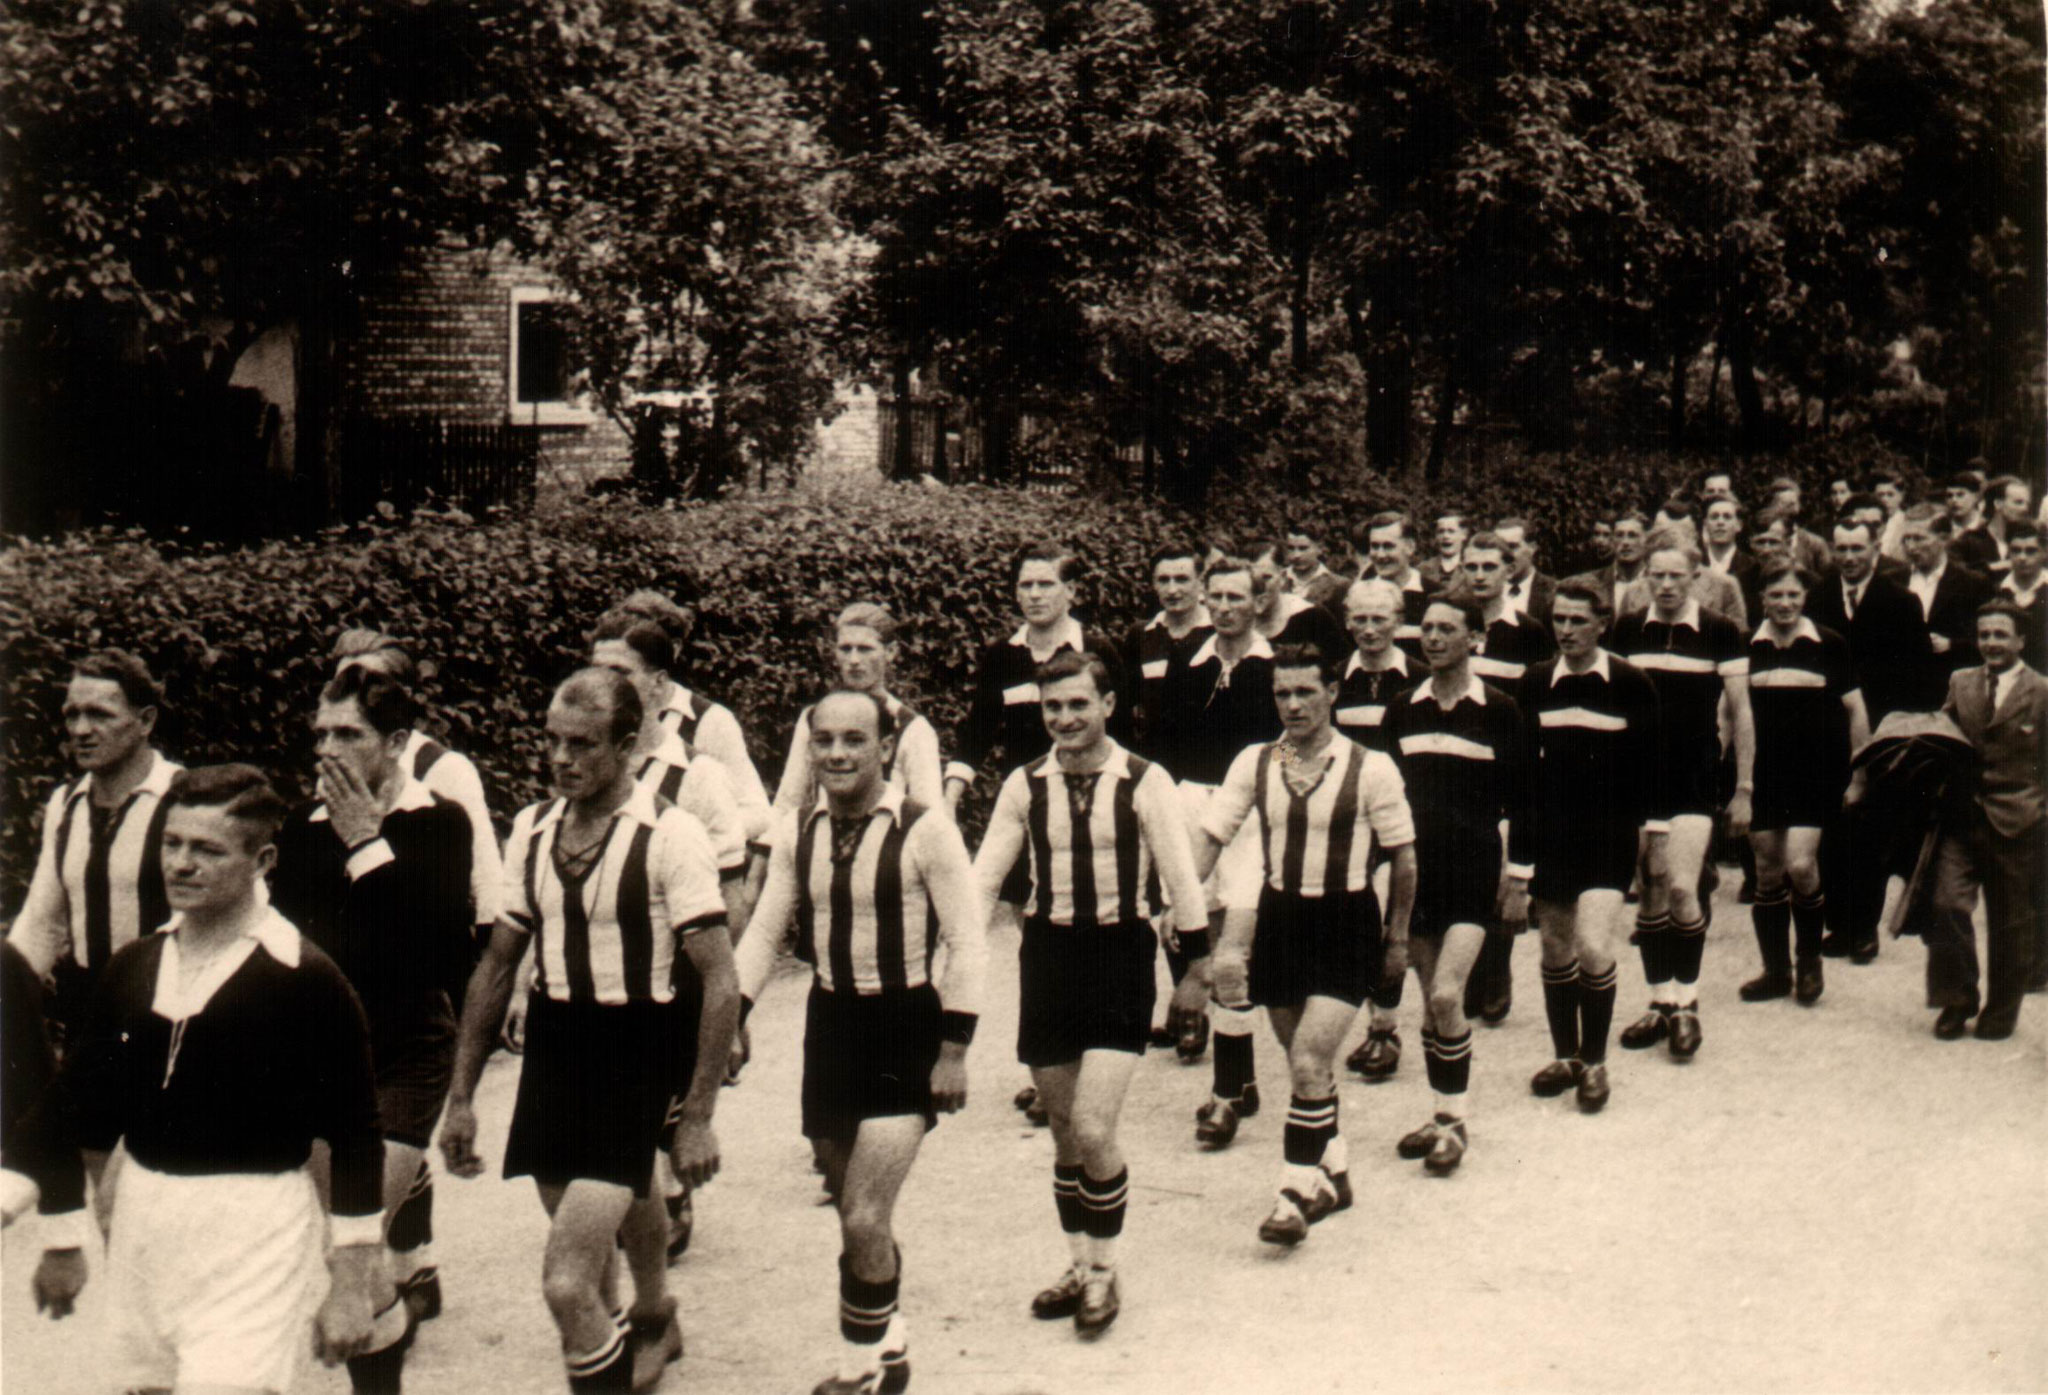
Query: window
x,y
539,390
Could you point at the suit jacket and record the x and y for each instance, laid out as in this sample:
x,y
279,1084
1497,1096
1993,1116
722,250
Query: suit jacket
x,y
1953,614
1811,551
1887,641
1436,577
2012,758
1710,589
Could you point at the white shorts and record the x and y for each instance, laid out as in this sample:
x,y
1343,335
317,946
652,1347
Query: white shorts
x,y
213,1280
1239,862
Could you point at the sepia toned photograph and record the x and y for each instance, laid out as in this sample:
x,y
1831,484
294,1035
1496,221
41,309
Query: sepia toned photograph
x,y
1023,697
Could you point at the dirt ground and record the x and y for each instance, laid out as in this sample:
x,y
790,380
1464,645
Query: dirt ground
x,y
1827,1199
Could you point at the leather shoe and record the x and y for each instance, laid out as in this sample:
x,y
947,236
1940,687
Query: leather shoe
x,y
1379,1056
1216,1124
1809,982
1340,1188
1685,1033
1035,1113
1418,1143
1765,987
1834,946
1193,1039
1248,1102
1449,1151
1498,1003
1593,1089
1099,1305
1060,1299
1952,1022
1649,1029
1162,1036
1555,1078
1025,1097
1996,1026
657,1342
1865,953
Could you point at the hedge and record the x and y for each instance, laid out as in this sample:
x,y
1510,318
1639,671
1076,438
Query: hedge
x,y
499,609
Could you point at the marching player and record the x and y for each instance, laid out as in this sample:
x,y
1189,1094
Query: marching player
x,y
1590,727
875,888
1089,821
1698,662
1282,617
612,887
1178,629
1309,924
99,882
1457,741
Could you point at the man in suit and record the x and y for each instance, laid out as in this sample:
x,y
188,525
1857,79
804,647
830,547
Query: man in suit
x,y
1808,550
1710,589
1868,508
2007,501
1631,547
1949,595
1529,592
1307,576
1447,568
1721,545
1996,843
2022,586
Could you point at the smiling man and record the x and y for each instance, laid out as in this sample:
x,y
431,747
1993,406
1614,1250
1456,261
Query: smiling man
x,y
875,890
98,883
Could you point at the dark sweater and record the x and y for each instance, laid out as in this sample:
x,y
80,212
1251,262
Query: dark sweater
x,y
1463,769
1596,749
1005,712
279,1056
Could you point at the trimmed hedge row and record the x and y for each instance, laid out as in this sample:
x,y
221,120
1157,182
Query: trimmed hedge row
x,y
498,610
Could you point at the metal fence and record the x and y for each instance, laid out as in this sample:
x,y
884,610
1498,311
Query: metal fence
x,y
408,461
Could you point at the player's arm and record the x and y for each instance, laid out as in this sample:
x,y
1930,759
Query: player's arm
x,y
40,931
455,776
338,1036
1859,733
774,920
1742,723
719,736
1393,827
690,892
483,1008
1003,841
963,944
918,762
976,735
1511,746
1229,806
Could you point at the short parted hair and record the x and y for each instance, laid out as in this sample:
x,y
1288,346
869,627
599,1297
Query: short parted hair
x,y
1636,516
1861,499
654,645
1778,571
1671,540
868,615
1301,528
361,642
1454,516
1306,656
125,671
1514,520
387,704
1386,518
1265,545
2004,605
1850,523
1474,617
885,725
1995,489
1222,566
1173,550
1776,514
1071,663
1883,475
1972,480
1573,589
241,791
2025,528
604,690
678,620
1678,507
1488,542
1931,516
1374,586
1725,501
1066,565
1784,484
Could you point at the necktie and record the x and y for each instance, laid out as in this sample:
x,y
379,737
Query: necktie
x,y
1515,592
1849,602
1990,691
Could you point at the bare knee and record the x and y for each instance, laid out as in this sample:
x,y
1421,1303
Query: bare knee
x,y
1092,1133
1803,872
864,1225
565,1287
1446,1004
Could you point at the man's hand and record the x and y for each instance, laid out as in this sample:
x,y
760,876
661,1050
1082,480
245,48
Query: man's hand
x,y
342,1327
1859,786
694,1155
1739,814
458,1139
58,1280
1941,644
1190,995
354,810
1514,906
949,1079
513,1033
1230,973
741,1053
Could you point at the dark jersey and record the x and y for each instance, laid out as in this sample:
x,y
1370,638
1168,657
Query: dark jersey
x,y
1463,768
1510,646
1689,660
1153,649
1364,696
1595,746
1796,692
1208,713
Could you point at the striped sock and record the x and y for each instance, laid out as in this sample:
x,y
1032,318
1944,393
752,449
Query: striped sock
x,y
866,1305
1596,1013
1066,1196
1561,1007
1448,1061
608,1369
1688,948
1105,1200
1235,1066
1311,1124
1654,942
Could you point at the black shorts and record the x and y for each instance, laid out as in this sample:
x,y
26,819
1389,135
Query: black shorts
x,y
1084,988
868,1056
1590,857
1692,776
1457,882
593,1091
1315,946
412,1082
1796,796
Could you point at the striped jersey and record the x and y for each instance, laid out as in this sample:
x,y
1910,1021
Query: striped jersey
x,y
608,933
875,905
454,777
712,730
1091,840
1318,842
1796,691
1596,751
1210,711
1510,645
1364,694
699,786
1690,660
99,878
1463,769
915,767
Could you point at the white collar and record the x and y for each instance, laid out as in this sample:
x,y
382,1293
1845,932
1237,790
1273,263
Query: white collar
x,y
1601,666
1066,636
639,807
2025,597
1259,648
1473,691
1290,605
1805,629
262,928
1688,618
155,781
672,750
1117,767
412,794
891,802
1357,664
1412,581
1201,620
1929,579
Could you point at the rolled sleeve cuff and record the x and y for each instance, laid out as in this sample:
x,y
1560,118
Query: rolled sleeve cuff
x,y
343,1231
67,1231
960,770
368,858
958,1027
1522,871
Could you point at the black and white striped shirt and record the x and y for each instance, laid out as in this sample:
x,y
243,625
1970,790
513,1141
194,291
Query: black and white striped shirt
x,y
700,787
887,905
1318,843
1092,840
454,776
609,935
915,767
99,882
711,729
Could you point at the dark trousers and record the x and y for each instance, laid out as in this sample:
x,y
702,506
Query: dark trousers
x,y
1859,851
2010,873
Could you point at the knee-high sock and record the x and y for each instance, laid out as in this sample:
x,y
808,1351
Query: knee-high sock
x,y
1448,1061
1495,968
866,1305
411,1236
1596,1014
1066,1196
1311,1125
1232,1042
1771,918
1688,948
1386,994
381,1369
1561,1007
1809,916
608,1369
1654,942
1103,1201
